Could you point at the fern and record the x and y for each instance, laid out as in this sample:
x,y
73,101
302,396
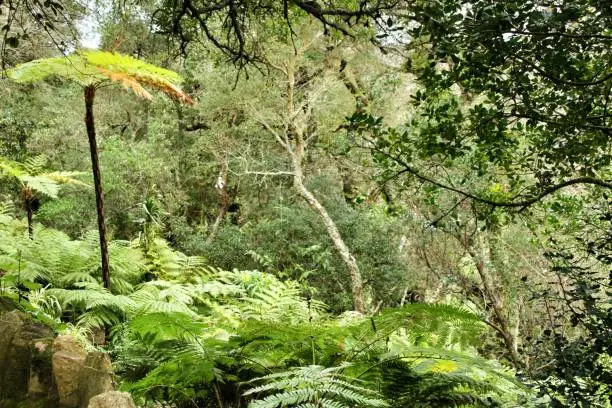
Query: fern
x,y
95,306
94,67
31,175
313,386
56,259
437,325
406,387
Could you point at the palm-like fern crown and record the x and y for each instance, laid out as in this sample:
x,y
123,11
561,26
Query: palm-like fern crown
x,y
89,68
31,174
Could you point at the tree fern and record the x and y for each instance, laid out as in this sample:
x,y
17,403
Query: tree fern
x,y
33,179
92,69
88,67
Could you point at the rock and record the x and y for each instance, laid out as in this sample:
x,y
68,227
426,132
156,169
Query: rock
x,y
7,305
99,336
96,376
13,360
38,370
112,399
41,384
68,360
20,358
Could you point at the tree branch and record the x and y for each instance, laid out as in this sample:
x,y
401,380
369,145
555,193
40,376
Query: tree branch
x,y
509,204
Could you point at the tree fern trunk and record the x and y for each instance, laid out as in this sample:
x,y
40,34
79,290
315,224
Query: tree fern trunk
x,y
30,213
90,93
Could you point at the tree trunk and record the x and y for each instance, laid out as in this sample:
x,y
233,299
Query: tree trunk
x,y
30,204
30,213
482,259
330,225
297,156
90,93
224,199
294,143
334,234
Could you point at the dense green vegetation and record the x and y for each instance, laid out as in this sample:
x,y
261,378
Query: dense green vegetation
x,y
336,204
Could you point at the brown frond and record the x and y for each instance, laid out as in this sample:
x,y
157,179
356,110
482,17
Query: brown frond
x,y
128,81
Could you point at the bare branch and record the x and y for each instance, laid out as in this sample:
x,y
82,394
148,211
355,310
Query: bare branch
x,y
265,173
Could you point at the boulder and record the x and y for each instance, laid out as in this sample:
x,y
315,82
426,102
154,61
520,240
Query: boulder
x,y
41,384
112,399
21,358
37,370
96,376
67,361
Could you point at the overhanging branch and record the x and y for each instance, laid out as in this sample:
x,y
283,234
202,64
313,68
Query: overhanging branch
x,y
523,203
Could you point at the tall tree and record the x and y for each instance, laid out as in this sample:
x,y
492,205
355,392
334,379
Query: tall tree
x,y
522,89
92,70
294,128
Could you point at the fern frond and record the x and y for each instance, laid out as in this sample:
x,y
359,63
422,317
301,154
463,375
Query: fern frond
x,y
407,388
31,174
6,208
11,168
42,184
94,67
437,325
286,399
100,317
166,326
309,386
128,81
34,165
66,177
328,403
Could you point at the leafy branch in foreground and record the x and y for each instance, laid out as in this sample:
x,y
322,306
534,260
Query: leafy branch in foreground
x,y
385,144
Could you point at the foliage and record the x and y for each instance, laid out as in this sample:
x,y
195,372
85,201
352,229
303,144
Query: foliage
x,y
471,185
34,180
313,386
581,374
238,39
91,67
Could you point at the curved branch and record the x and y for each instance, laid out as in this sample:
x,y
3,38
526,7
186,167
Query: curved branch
x,y
508,204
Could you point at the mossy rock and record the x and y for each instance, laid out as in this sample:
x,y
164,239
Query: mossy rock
x,y
19,334
7,305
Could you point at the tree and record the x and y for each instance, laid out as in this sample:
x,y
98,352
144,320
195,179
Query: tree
x,y
236,37
519,89
33,180
294,128
36,28
92,70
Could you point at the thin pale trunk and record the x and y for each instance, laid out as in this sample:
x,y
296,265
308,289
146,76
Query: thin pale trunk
x,y
90,93
224,200
336,237
297,154
482,261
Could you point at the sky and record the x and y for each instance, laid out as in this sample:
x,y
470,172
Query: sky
x,y
88,27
